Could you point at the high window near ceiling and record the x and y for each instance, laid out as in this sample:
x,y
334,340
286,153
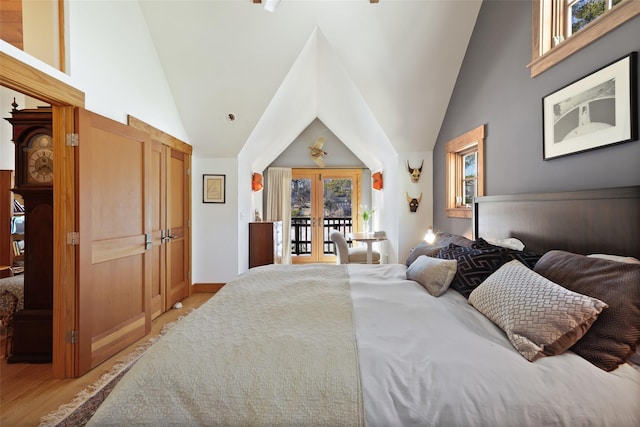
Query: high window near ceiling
x,y
465,172
36,27
562,27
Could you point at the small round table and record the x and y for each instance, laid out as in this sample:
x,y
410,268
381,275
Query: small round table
x,y
369,239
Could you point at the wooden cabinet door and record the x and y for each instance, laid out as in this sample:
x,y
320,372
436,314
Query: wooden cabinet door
x,y
260,243
158,221
265,243
177,234
114,224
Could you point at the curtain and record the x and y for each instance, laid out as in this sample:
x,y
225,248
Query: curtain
x,y
279,205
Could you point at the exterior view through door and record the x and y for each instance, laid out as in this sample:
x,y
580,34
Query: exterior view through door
x,y
322,200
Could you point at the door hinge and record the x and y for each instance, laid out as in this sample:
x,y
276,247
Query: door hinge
x,y
73,238
188,223
72,140
72,337
189,172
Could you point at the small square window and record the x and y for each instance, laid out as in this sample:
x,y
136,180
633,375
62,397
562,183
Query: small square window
x,y
465,172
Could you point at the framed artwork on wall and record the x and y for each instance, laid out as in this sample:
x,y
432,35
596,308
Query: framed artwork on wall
x,y
595,111
213,188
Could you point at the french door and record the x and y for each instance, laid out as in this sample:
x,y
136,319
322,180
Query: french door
x,y
321,200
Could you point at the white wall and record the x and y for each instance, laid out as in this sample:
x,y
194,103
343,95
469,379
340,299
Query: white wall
x,y
113,60
414,225
215,237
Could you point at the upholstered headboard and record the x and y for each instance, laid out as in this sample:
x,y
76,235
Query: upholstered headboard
x,y
584,222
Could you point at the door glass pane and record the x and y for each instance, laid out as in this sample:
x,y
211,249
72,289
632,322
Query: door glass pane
x,y
301,217
336,208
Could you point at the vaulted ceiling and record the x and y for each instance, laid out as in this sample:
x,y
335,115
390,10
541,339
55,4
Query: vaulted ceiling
x,y
368,70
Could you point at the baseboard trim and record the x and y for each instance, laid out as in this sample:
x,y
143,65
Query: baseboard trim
x,y
207,287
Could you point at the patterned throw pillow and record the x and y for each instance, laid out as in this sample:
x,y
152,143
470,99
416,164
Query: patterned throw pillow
x,y
540,317
528,258
434,274
474,265
614,337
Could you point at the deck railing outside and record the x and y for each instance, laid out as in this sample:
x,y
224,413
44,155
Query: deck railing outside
x,y
301,233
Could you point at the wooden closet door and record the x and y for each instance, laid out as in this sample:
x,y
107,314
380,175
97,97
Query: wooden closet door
x,y
178,237
158,220
114,224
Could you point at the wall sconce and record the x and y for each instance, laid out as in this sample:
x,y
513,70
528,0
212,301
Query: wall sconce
x,y
377,181
430,237
256,182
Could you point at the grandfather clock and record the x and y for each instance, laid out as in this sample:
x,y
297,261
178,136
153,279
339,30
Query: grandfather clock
x,y
33,326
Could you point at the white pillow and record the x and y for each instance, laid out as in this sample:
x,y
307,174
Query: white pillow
x,y
540,317
434,274
509,243
618,258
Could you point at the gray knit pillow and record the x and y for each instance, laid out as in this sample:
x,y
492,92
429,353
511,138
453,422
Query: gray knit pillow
x,y
434,274
540,317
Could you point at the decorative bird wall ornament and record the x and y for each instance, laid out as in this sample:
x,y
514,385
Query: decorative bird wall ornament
x,y
317,153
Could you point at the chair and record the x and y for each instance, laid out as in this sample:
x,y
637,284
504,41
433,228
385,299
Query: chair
x,y
9,301
347,255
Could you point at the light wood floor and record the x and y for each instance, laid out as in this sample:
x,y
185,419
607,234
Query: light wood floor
x,y
28,392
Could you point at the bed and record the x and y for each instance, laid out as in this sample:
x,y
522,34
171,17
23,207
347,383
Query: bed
x,y
364,345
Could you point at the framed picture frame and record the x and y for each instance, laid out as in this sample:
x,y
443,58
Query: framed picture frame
x,y
213,188
595,111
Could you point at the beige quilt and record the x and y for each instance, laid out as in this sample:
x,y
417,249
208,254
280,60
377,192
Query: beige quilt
x,y
274,347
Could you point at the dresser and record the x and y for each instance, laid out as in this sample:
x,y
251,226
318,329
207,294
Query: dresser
x,y
265,243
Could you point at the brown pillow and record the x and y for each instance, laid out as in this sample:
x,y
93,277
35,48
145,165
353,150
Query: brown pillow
x,y
614,336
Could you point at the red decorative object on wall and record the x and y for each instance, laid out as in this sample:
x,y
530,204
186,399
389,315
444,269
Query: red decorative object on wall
x,y
377,181
256,182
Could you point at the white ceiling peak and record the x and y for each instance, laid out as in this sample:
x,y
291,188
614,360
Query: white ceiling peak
x,y
317,85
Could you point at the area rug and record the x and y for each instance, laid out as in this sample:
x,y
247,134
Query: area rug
x,y
79,411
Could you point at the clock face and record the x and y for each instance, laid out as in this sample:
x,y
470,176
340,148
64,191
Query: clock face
x,y
40,160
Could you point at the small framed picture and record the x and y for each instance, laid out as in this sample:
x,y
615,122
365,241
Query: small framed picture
x,y
592,112
213,188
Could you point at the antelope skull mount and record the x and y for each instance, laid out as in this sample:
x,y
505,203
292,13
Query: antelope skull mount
x,y
413,202
415,172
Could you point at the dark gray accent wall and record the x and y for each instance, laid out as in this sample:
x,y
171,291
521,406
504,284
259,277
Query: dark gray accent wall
x,y
494,87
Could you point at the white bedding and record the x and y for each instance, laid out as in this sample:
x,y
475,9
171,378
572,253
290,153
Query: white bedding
x,y
438,361
423,361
